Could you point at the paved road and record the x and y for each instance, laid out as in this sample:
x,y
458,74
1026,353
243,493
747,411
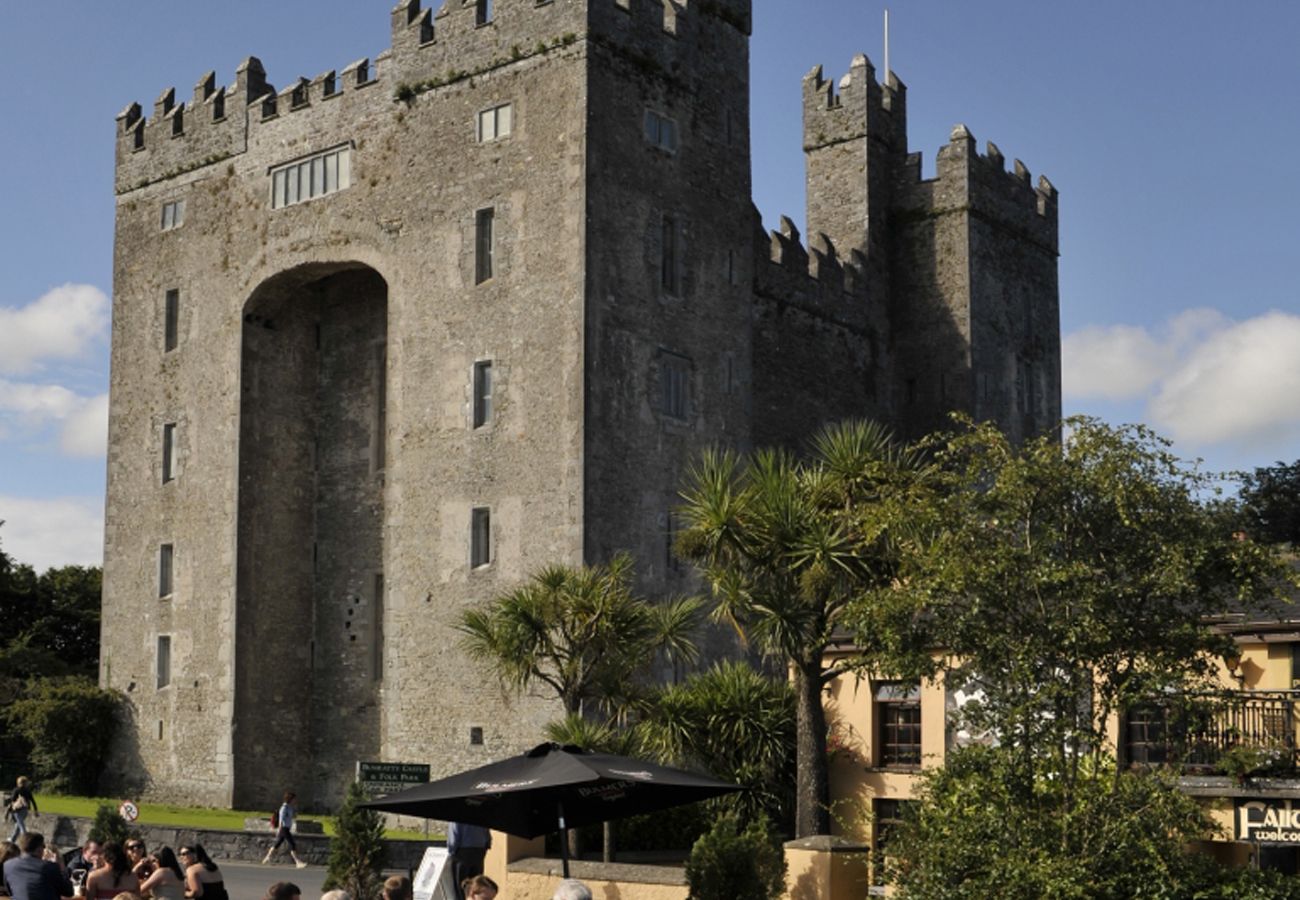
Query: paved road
x,y
249,881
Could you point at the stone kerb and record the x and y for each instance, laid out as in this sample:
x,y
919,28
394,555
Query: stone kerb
x,y
249,845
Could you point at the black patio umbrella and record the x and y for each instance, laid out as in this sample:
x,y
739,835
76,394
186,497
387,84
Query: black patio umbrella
x,y
552,788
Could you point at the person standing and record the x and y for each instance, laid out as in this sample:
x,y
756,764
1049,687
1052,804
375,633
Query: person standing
x,y
284,830
30,877
467,845
20,803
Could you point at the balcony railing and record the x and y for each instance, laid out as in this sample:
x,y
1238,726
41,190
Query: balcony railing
x,y
1198,732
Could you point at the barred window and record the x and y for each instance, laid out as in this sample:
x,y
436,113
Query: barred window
x,y
315,176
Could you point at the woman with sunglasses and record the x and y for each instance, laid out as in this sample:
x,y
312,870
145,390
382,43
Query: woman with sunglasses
x,y
167,881
141,862
202,877
113,876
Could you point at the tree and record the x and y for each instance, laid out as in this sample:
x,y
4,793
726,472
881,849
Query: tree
x,y
1270,500
785,545
357,852
582,633
736,723
730,863
69,724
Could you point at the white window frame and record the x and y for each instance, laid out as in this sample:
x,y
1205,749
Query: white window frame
x,y
310,177
173,215
495,123
661,131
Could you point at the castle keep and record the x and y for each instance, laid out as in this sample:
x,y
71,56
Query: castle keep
x,y
387,340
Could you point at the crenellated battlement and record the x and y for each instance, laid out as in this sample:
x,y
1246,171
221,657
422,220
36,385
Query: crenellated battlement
x,y
858,106
814,277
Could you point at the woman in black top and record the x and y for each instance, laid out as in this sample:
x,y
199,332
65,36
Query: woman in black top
x,y
202,877
19,803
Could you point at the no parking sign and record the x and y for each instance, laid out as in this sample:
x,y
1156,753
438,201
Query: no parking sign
x,y
128,810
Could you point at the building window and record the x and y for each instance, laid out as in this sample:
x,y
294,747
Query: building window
x,y
482,12
315,176
379,379
169,452
495,123
668,256
482,393
173,214
661,131
674,385
377,633
480,544
164,661
166,555
1146,729
171,319
898,716
484,244
888,816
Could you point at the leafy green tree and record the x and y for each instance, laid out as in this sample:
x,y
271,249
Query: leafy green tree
x,y
357,852
736,723
69,723
108,825
1071,580
730,863
582,633
785,545
1270,500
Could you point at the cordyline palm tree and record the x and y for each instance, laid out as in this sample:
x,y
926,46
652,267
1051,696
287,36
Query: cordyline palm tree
x,y
786,546
582,633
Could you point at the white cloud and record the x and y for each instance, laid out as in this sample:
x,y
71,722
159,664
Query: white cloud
x,y
85,433
53,532
36,402
1205,379
62,324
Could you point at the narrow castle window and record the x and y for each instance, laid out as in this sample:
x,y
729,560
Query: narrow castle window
x,y
377,632
173,214
674,385
661,131
163,664
495,123
482,12
178,121
480,549
482,393
312,177
668,256
380,381
171,320
169,452
484,243
166,555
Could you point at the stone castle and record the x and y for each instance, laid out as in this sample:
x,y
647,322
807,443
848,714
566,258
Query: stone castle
x,y
387,340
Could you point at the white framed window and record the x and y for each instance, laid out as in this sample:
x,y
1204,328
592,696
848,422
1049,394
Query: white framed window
x,y
482,393
163,662
674,386
173,214
166,568
171,319
169,452
312,177
482,12
480,537
661,131
496,123
484,243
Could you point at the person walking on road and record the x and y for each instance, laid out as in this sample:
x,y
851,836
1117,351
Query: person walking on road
x,y
18,805
284,830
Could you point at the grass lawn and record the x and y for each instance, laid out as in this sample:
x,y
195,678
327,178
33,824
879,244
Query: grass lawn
x,y
192,816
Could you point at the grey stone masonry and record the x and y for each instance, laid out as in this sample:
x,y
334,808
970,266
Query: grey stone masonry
x,y
414,328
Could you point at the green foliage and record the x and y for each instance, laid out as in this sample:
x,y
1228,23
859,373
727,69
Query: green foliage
x,y
108,826
737,724
1270,502
730,864
69,724
357,852
786,545
581,632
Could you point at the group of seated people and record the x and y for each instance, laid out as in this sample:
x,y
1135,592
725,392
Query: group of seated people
x,y
35,871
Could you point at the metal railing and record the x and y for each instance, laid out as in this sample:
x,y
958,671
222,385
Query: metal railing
x,y
1199,731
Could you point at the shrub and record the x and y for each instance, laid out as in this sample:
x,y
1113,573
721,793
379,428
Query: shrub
x,y
108,826
730,864
357,853
70,723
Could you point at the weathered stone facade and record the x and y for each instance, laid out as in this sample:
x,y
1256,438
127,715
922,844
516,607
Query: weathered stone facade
x,y
299,408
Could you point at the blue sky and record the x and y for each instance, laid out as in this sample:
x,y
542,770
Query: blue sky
x,y
1170,129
